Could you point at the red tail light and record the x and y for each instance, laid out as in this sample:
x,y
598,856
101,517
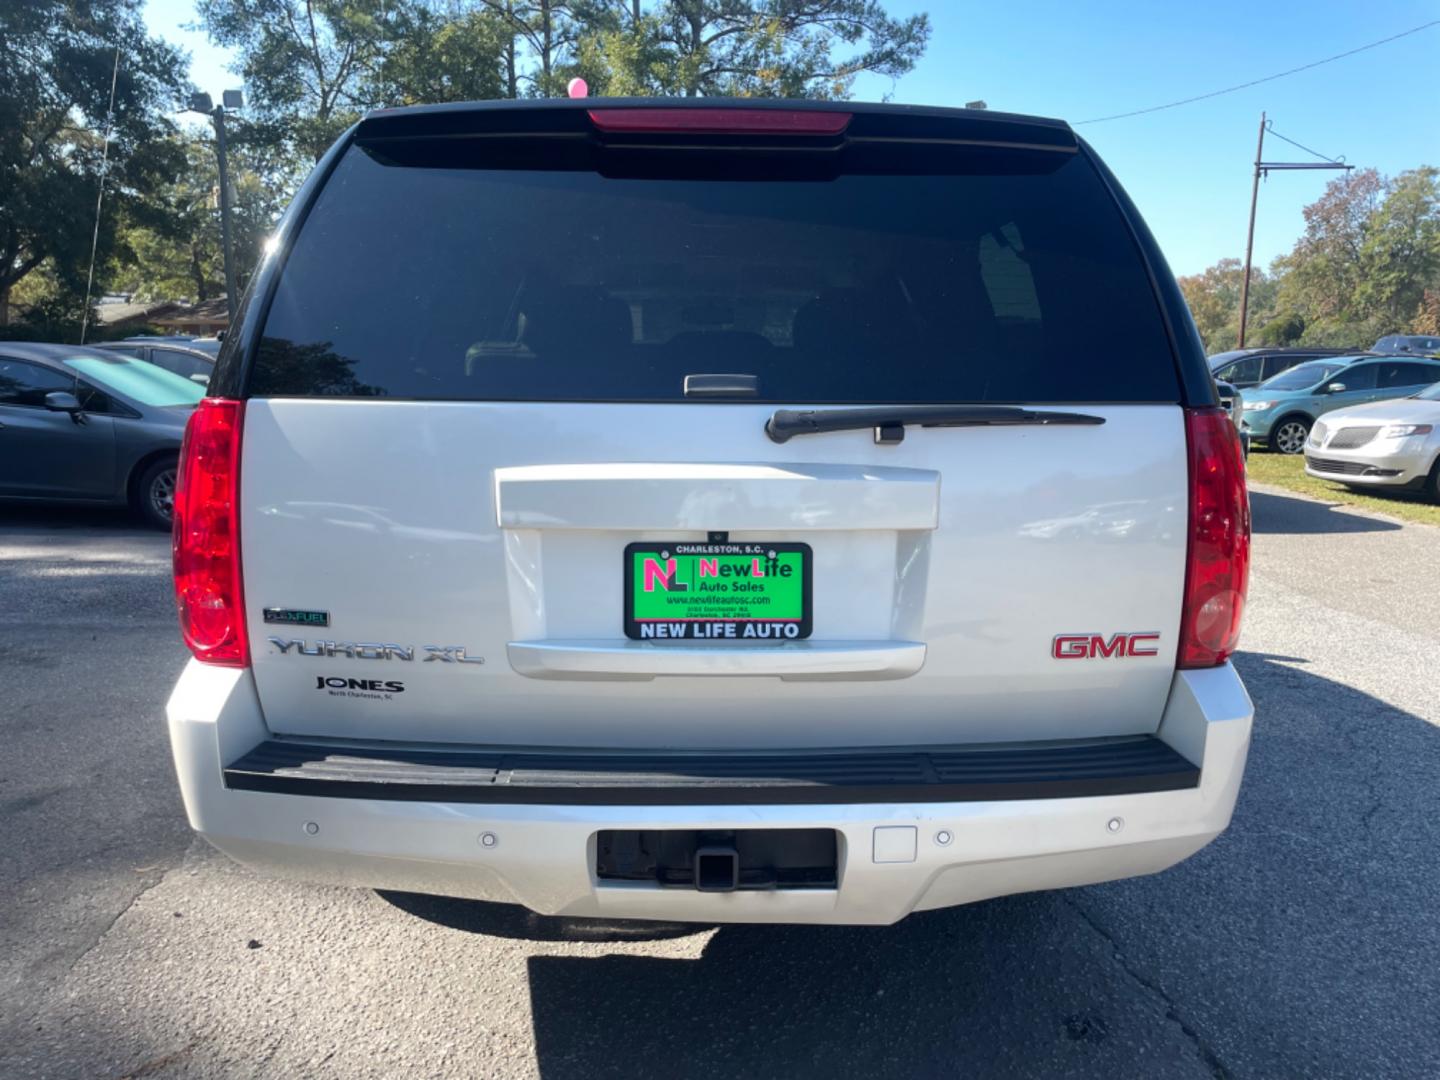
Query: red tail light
x,y
1217,569
207,535
721,121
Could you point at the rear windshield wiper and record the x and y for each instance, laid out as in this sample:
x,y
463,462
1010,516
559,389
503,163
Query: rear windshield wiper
x,y
889,420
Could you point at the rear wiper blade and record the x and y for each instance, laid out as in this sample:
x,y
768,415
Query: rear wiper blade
x,y
889,421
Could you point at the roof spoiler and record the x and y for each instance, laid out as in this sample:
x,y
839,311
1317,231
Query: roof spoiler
x,y
564,118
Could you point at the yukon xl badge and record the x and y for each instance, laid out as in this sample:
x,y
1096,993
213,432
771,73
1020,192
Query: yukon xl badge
x,y
295,617
372,650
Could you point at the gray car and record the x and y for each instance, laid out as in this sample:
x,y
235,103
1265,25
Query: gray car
x,y
1408,344
184,357
1244,368
81,425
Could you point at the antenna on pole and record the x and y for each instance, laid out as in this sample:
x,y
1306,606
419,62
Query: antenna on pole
x,y
1263,168
100,196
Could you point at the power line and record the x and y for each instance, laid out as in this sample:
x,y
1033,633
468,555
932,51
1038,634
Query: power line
x,y
1267,78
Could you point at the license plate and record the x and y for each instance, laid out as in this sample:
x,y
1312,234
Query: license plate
x,y
717,592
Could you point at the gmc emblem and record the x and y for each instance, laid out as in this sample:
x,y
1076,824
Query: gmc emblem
x,y
1093,646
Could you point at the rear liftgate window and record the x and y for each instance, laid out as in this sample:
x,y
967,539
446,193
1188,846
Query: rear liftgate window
x,y
978,275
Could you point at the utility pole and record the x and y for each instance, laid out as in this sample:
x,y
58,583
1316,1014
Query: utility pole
x,y
1250,235
201,103
1263,168
231,299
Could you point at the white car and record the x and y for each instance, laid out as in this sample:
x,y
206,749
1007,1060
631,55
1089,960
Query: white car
x,y
1389,444
645,509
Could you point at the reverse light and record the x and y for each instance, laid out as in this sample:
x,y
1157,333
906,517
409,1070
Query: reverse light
x,y
208,594
720,121
1400,431
1217,564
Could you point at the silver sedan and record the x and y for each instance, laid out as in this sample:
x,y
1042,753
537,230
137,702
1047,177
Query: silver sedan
x,y
1390,444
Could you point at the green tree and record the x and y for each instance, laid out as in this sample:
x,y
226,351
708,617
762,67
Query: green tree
x,y
459,55
745,48
312,66
1286,329
308,65
1322,272
174,250
1370,250
1214,299
546,31
1400,255
1368,264
450,50
57,60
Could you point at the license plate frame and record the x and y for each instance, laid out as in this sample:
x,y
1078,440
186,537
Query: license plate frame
x,y
772,556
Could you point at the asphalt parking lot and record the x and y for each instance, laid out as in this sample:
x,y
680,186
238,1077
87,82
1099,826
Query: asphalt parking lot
x,y
1305,942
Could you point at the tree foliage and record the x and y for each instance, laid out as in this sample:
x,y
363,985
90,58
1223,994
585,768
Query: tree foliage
x,y
437,57
1400,252
312,66
308,65
175,251
1368,264
734,48
1214,299
57,60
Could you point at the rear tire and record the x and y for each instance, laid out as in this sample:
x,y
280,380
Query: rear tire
x,y
1289,435
154,494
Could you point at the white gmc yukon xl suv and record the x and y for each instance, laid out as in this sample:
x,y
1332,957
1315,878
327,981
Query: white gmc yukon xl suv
x,y
763,511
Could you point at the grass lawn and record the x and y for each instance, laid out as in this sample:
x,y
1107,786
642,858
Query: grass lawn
x,y
1288,471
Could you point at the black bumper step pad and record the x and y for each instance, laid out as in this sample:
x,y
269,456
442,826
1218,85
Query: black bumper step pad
x,y
974,773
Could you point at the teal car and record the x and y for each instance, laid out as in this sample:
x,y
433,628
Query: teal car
x,y
1279,412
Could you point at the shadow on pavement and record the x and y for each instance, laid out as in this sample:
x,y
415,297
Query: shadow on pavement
x,y
512,921
1283,514
1010,987
55,516
1302,942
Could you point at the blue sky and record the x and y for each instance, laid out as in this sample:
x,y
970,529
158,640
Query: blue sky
x,y
1187,168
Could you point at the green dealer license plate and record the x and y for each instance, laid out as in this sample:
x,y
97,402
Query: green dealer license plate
x,y
717,592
